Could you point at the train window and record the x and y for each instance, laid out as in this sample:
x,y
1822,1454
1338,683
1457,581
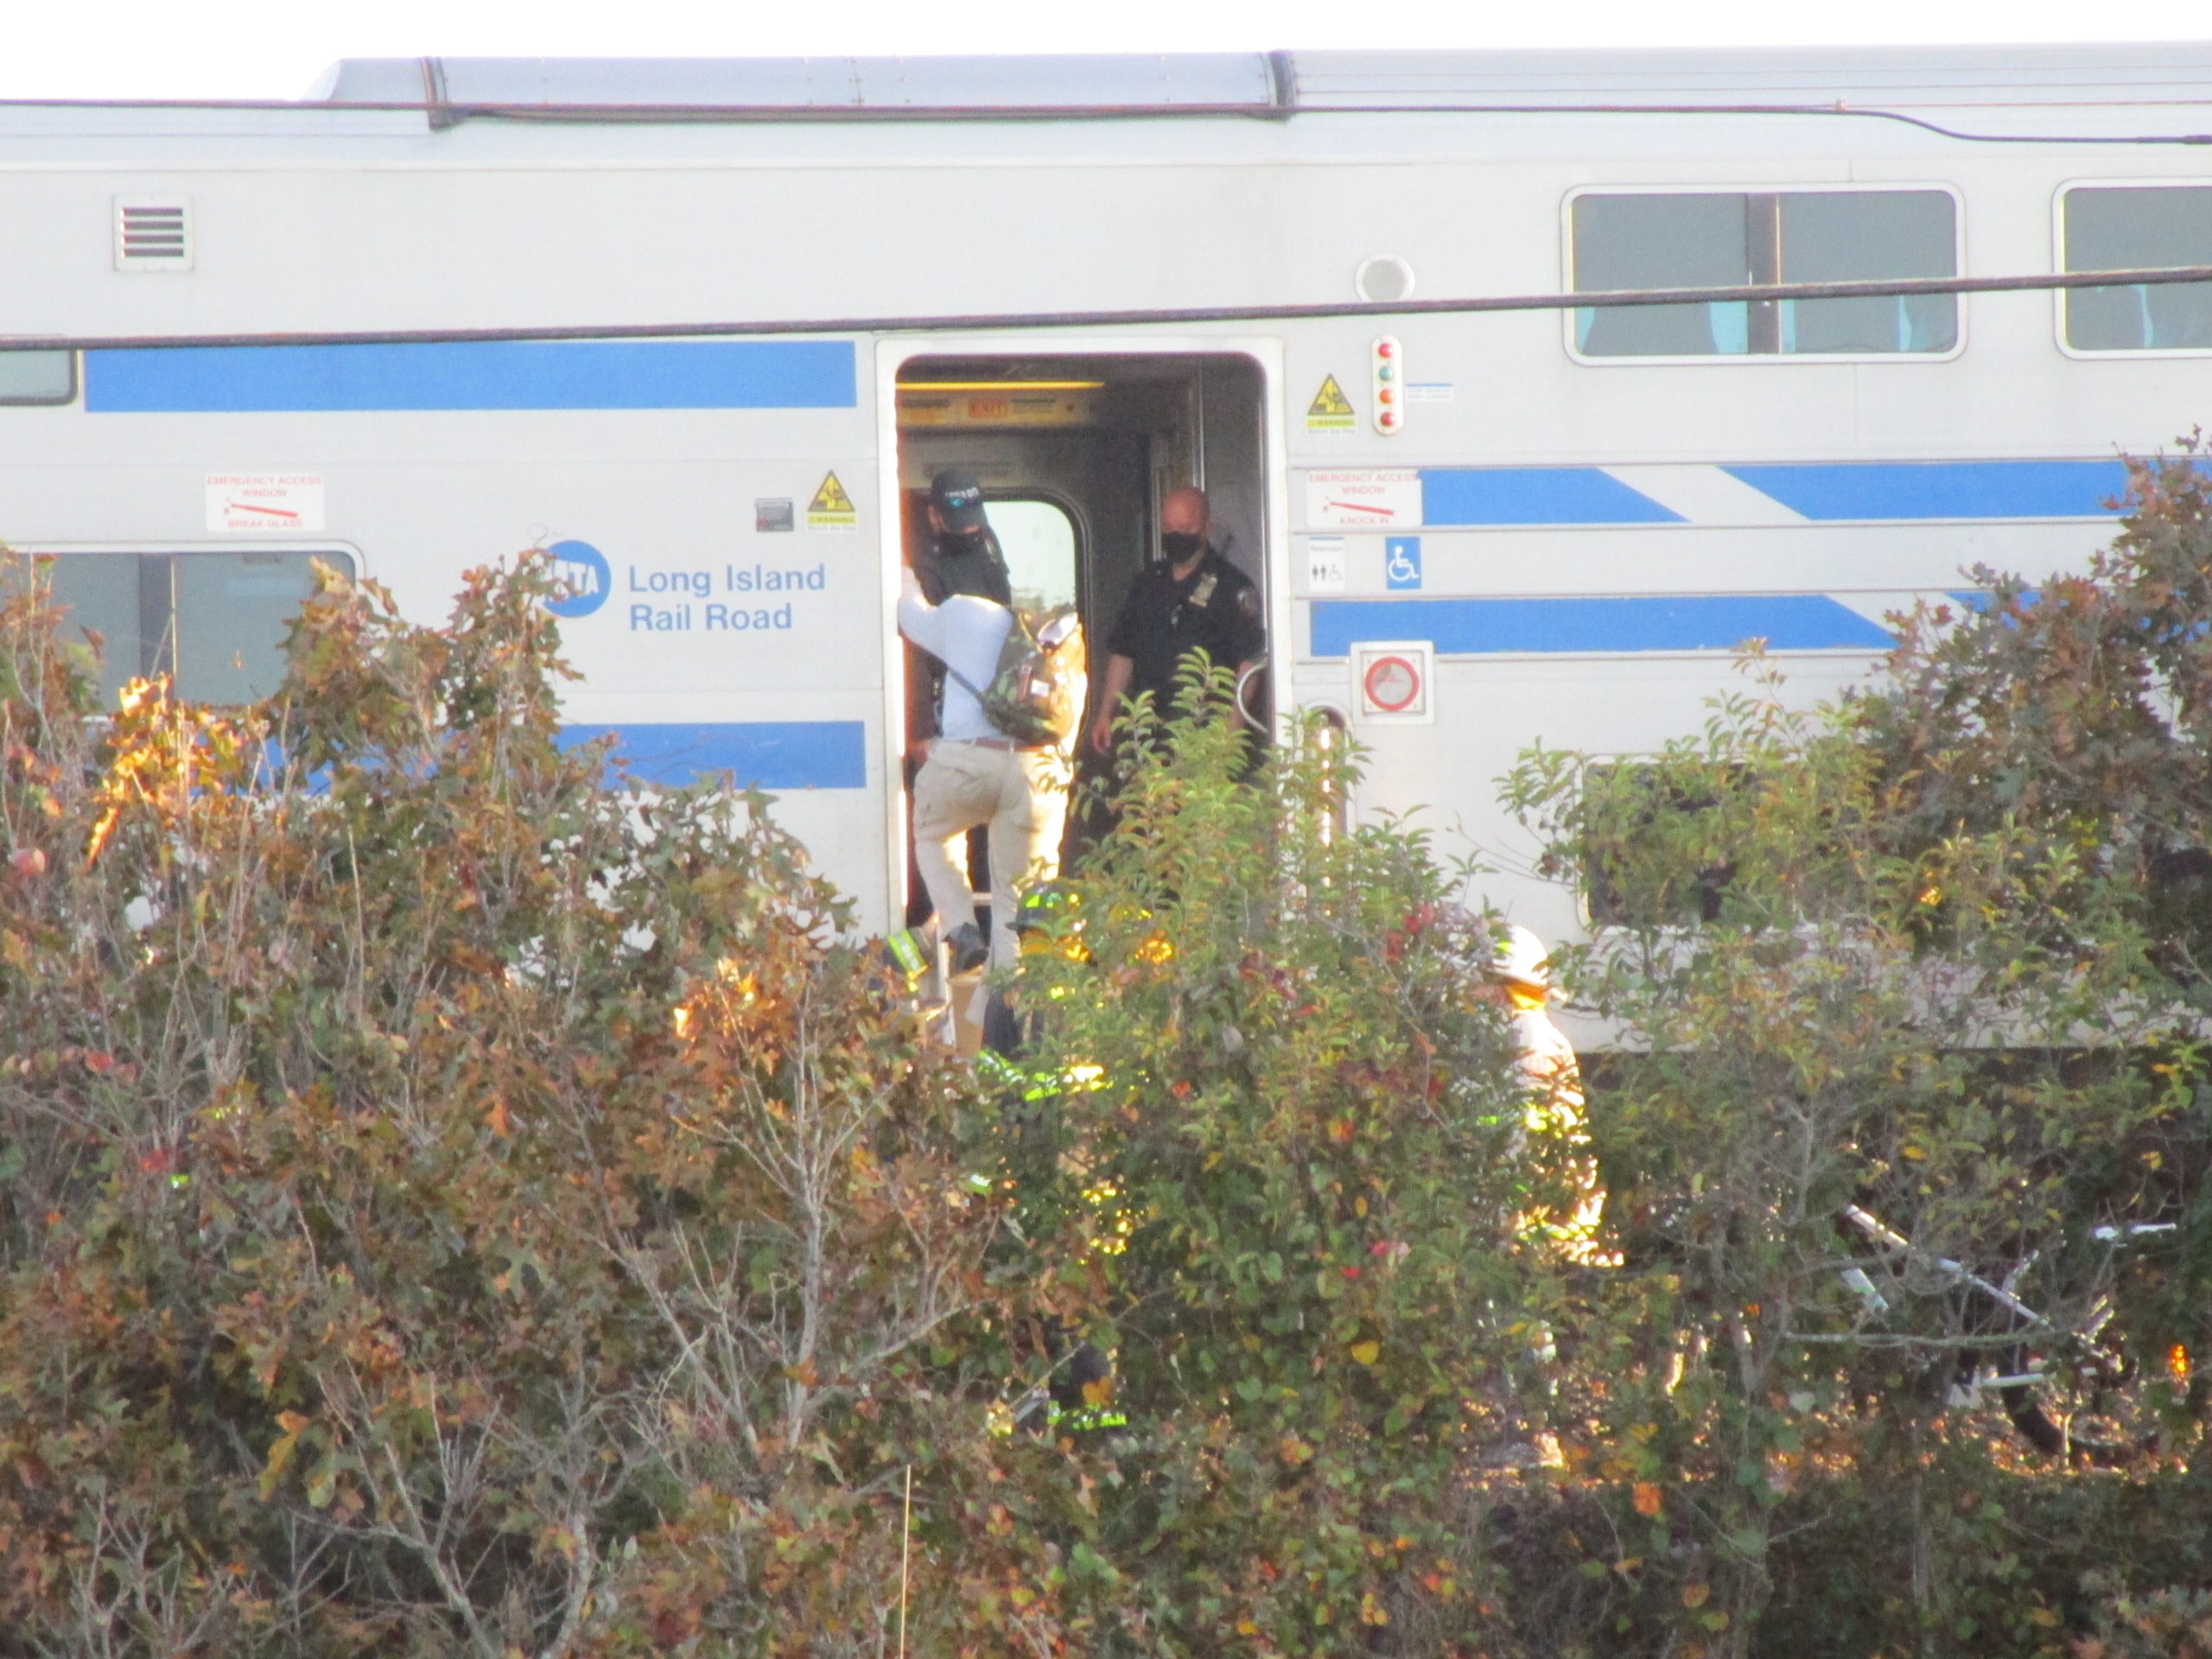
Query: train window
x,y
100,594
1654,239
38,377
232,610
2138,228
216,620
1039,539
1837,236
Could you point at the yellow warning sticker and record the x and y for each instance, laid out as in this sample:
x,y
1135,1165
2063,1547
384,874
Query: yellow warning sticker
x,y
1330,410
831,508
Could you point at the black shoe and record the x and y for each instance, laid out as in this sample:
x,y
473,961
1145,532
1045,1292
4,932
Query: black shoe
x,y
966,945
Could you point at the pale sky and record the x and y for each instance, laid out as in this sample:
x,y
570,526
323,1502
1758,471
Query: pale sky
x,y
275,49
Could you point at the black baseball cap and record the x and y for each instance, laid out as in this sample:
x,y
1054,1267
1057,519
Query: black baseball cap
x,y
958,499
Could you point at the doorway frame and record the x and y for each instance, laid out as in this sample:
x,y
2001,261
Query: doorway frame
x,y
895,352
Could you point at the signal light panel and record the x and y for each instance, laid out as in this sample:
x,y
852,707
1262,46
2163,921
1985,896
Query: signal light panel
x,y
1387,365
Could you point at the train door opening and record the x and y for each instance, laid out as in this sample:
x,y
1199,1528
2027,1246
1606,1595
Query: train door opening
x,y
1075,454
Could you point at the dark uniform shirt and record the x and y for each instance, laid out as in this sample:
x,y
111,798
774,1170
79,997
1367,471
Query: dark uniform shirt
x,y
950,564
964,564
1216,610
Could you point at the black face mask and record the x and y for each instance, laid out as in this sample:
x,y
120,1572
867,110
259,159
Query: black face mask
x,y
963,541
1179,544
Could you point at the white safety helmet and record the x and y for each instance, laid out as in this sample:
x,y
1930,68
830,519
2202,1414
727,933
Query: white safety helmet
x,y
1518,955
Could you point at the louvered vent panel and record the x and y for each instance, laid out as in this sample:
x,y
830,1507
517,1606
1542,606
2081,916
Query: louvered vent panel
x,y
153,235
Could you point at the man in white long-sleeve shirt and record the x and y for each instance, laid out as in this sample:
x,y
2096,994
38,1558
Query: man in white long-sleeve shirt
x,y
975,775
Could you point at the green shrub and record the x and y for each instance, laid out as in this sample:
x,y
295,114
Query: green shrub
x,y
456,1206
451,1204
1905,956
1269,1162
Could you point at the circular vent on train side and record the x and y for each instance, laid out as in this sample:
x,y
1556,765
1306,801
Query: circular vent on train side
x,y
1383,277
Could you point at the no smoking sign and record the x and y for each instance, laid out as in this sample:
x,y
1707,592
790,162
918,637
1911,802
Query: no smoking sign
x,y
1394,681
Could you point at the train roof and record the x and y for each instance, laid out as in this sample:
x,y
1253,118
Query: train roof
x,y
2156,93
1284,83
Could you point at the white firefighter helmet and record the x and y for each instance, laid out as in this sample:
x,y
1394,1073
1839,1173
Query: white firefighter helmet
x,y
1518,955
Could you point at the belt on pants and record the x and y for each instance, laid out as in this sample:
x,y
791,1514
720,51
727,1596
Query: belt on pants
x,y
1004,744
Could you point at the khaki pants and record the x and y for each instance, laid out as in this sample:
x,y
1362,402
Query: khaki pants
x,y
1022,796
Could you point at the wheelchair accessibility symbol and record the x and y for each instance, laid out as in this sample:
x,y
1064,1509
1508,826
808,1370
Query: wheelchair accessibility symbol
x,y
1402,562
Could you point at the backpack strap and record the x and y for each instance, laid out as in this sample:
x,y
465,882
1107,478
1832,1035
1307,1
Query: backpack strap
x,y
1015,626
983,701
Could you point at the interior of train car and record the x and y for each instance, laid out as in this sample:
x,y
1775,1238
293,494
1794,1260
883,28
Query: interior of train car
x,y
1075,455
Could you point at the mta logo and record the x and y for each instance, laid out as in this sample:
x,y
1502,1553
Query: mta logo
x,y
580,578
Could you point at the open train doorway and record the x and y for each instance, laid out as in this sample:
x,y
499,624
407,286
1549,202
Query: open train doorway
x,y
1075,454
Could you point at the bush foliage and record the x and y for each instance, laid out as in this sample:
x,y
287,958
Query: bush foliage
x,y
456,1204
455,1207
1911,958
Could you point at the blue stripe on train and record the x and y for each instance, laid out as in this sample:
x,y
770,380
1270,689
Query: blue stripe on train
x,y
473,375
1533,495
1669,622
771,754
1941,489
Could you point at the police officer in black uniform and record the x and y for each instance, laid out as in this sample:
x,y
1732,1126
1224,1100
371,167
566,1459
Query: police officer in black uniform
x,y
1194,600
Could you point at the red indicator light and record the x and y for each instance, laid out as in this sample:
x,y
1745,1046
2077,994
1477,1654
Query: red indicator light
x,y
1384,374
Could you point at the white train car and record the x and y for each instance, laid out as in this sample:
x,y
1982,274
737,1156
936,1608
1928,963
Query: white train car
x,y
705,328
